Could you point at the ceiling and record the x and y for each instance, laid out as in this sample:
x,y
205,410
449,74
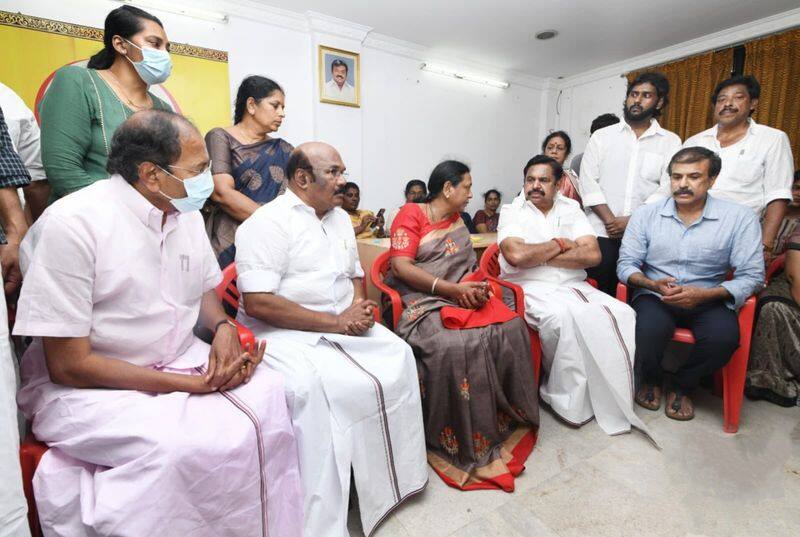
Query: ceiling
x,y
592,33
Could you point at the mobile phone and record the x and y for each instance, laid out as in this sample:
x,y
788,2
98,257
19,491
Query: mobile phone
x,y
380,213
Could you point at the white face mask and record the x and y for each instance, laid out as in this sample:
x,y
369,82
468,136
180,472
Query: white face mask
x,y
198,189
155,66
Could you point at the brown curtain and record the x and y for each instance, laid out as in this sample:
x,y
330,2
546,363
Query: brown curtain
x,y
775,62
691,82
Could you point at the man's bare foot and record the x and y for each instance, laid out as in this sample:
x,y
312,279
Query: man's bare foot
x,y
679,405
649,397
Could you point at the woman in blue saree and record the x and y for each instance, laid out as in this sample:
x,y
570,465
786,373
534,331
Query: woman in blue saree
x,y
247,164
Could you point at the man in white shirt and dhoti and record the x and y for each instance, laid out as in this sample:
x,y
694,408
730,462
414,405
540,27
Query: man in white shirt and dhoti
x,y
352,385
587,337
151,431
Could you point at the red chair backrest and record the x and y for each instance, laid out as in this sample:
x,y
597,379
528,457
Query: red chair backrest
x,y
776,266
490,262
226,290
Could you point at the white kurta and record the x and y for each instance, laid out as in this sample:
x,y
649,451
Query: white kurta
x,y
99,264
354,400
587,336
13,510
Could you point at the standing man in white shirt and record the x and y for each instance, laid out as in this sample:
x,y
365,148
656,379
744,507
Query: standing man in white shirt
x,y
587,337
24,132
623,165
352,385
757,163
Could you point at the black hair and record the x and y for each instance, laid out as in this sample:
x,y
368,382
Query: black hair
x,y
603,120
796,176
659,82
490,192
125,21
558,134
298,160
557,169
689,155
257,87
147,136
348,185
750,82
416,182
449,170
339,63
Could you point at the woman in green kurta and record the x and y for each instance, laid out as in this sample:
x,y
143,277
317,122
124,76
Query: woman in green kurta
x,y
84,106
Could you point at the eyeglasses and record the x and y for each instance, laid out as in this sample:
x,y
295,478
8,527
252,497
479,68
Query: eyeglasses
x,y
335,171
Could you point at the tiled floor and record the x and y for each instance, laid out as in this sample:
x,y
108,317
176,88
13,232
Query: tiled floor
x,y
580,482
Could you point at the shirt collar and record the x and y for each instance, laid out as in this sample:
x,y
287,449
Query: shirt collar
x,y
751,129
293,200
147,213
710,211
520,202
653,129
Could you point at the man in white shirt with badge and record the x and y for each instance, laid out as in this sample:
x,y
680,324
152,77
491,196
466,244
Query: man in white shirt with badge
x,y
623,165
587,337
757,162
352,386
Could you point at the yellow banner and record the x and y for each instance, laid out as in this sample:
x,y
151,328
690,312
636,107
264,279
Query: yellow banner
x,y
33,48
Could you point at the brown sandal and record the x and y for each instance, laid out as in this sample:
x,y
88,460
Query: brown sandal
x,y
649,397
676,401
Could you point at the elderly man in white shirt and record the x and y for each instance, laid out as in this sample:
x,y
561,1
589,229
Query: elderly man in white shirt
x,y
352,386
587,337
757,162
24,132
624,165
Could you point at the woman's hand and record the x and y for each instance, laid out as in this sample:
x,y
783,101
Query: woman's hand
x,y
470,295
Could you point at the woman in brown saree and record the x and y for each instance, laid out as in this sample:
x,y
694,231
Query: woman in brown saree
x,y
479,393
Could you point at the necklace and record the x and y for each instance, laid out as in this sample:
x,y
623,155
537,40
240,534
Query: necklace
x,y
125,95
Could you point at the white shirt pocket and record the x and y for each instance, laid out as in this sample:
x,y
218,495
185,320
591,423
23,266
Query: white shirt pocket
x,y
346,254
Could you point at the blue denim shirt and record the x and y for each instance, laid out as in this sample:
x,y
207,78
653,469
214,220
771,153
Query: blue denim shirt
x,y
726,237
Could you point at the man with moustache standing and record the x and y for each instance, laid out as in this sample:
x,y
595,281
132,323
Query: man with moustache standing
x,y
677,253
587,337
757,161
623,166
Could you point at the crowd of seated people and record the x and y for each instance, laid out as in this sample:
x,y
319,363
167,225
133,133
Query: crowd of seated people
x,y
133,213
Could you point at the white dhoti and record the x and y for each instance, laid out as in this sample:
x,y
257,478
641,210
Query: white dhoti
x,y
13,509
130,463
354,403
587,354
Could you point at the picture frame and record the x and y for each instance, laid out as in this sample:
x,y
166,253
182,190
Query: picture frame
x,y
339,77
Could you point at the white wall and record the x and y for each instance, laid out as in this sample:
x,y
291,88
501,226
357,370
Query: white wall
x,y
409,120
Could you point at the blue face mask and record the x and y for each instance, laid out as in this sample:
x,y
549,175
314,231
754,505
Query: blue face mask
x,y
198,189
155,66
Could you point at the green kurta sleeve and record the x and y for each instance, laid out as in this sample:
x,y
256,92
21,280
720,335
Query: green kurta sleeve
x,y
66,115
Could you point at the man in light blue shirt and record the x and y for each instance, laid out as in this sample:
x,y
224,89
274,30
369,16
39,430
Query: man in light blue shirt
x,y
676,253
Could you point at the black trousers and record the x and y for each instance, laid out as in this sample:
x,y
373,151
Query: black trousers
x,y
716,333
606,272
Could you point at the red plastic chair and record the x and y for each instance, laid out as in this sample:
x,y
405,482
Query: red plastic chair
x,y
730,379
31,450
776,266
380,268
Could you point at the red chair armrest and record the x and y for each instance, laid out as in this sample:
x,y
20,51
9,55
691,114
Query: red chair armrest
x,y
246,337
519,294
394,296
622,292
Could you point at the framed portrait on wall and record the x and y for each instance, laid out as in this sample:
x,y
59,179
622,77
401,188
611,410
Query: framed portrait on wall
x,y
339,77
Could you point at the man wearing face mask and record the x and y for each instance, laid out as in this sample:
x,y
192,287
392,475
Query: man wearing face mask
x,y
83,106
676,254
547,244
351,384
142,418
623,165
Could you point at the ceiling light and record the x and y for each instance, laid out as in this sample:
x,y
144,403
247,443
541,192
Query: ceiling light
x,y
478,79
546,34
171,7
